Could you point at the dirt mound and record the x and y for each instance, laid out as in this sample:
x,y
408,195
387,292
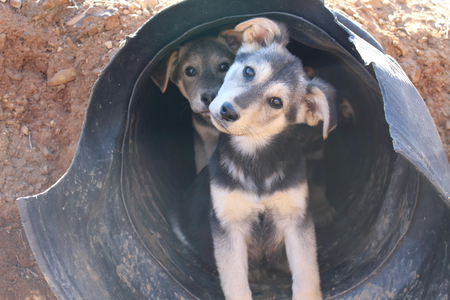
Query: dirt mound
x,y
51,54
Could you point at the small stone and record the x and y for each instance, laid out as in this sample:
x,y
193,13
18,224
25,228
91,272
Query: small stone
x,y
350,11
15,3
45,170
71,59
75,19
146,12
17,76
402,1
53,41
415,75
376,3
108,44
24,130
52,123
112,22
422,40
62,77
58,31
2,41
420,53
71,44
126,12
47,154
148,4
447,125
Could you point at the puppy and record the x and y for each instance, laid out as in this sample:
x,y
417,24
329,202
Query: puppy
x,y
258,186
198,68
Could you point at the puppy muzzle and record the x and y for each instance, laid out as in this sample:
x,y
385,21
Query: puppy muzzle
x,y
224,116
228,113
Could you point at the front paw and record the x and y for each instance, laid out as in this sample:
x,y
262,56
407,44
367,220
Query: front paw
x,y
323,215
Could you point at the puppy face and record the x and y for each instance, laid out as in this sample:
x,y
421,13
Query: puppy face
x,y
267,89
198,68
262,93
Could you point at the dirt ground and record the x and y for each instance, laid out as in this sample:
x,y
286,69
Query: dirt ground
x,y
51,52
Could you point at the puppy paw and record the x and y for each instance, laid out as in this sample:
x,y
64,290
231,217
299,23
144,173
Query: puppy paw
x,y
323,212
323,215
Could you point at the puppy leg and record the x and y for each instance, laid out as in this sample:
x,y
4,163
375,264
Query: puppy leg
x,y
230,251
289,211
301,251
323,212
234,213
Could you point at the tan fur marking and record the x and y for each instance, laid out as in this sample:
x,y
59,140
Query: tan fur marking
x,y
234,207
321,112
288,204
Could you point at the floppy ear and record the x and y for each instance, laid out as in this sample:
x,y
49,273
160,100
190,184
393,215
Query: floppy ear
x,y
261,32
232,38
319,105
161,73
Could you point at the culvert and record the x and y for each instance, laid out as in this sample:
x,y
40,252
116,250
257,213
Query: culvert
x,y
101,232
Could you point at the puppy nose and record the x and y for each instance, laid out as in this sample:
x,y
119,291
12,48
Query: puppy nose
x,y
208,98
228,113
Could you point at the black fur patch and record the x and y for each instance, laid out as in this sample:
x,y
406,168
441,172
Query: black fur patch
x,y
283,154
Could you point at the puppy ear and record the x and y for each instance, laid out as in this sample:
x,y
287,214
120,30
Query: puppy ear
x,y
232,38
161,73
261,32
319,105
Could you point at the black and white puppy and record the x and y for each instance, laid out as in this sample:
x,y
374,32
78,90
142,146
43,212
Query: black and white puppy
x,y
258,186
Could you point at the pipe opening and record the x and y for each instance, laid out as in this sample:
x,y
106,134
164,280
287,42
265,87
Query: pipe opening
x,y
371,190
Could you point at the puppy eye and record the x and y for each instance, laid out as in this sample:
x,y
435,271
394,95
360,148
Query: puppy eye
x,y
249,72
190,71
224,67
276,103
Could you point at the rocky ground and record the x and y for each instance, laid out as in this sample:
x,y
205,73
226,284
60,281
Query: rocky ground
x,y
51,52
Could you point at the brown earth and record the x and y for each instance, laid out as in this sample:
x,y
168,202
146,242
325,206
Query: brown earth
x,y
41,114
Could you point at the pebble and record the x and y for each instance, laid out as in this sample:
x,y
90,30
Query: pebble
x,y
24,130
62,77
376,3
415,75
420,53
45,170
47,154
148,4
15,3
109,44
402,1
447,125
17,76
422,40
2,41
350,11
71,44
